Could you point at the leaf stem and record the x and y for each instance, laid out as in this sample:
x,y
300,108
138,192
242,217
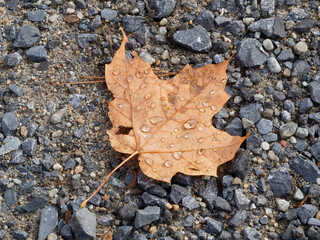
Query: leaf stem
x,y
106,179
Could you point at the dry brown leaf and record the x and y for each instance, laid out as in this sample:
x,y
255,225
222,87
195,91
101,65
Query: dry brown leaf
x,y
168,123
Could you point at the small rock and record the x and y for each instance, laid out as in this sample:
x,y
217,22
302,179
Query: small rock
x,y
12,59
283,205
195,39
285,55
146,216
267,5
85,38
27,36
297,14
19,234
242,201
314,88
95,23
238,218
132,23
37,54
264,126
36,16
267,44
273,65
190,203
251,112
300,48
251,233
205,19
58,116
315,151
35,204
300,67
108,14
214,226
209,192
128,212
304,25
221,204
75,100
106,220
29,146
178,193
48,222
122,233
17,157
287,130
10,197
306,168
280,182
146,57
81,4
9,123
9,144
18,91
307,211
163,8
83,224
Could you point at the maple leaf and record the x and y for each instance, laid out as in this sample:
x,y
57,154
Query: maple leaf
x,y
168,123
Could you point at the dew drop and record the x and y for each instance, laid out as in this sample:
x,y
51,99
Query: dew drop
x,y
182,99
177,155
116,72
154,169
168,163
143,85
200,140
187,135
155,119
153,105
138,74
147,71
149,161
201,151
213,107
145,135
206,104
165,179
218,132
178,136
200,129
202,110
145,128
176,129
148,96
217,83
172,145
213,78
190,124
120,105
129,78
198,161
212,92
163,139
223,80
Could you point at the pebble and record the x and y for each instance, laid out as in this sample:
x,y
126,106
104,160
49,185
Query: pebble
x,y
9,123
238,218
12,59
17,157
213,226
108,14
287,130
146,216
36,16
9,144
300,48
195,39
48,222
162,8
10,197
84,39
37,54
307,211
205,19
315,151
190,203
128,212
83,224
280,182
314,88
132,23
29,146
251,233
267,44
27,37
35,204
273,65
282,204
241,200
146,57
122,232
306,168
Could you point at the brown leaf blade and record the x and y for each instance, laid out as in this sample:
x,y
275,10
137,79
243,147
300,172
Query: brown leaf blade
x,y
169,122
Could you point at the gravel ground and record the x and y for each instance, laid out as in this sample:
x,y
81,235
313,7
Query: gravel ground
x,y
55,151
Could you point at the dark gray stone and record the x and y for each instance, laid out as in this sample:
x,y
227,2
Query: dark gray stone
x,y
35,204
280,182
12,59
264,25
83,224
297,14
95,23
240,165
241,199
177,193
163,8
307,211
264,126
301,145
81,4
27,36
235,28
214,226
66,232
9,144
251,233
158,191
84,39
122,233
285,55
267,5
314,88
222,21
231,6
106,220
190,203
19,234
36,16
250,53
188,221
10,197
146,216
221,204
132,23
208,192
18,91
195,39
235,127
76,99
29,146
17,157
304,25
37,54
238,218
47,161
205,19
252,112
305,105
299,68
279,28
48,222
9,123
315,151
78,133
314,191
314,221
108,14
306,168
128,212
145,182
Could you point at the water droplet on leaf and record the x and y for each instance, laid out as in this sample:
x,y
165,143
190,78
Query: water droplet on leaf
x,y
189,124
